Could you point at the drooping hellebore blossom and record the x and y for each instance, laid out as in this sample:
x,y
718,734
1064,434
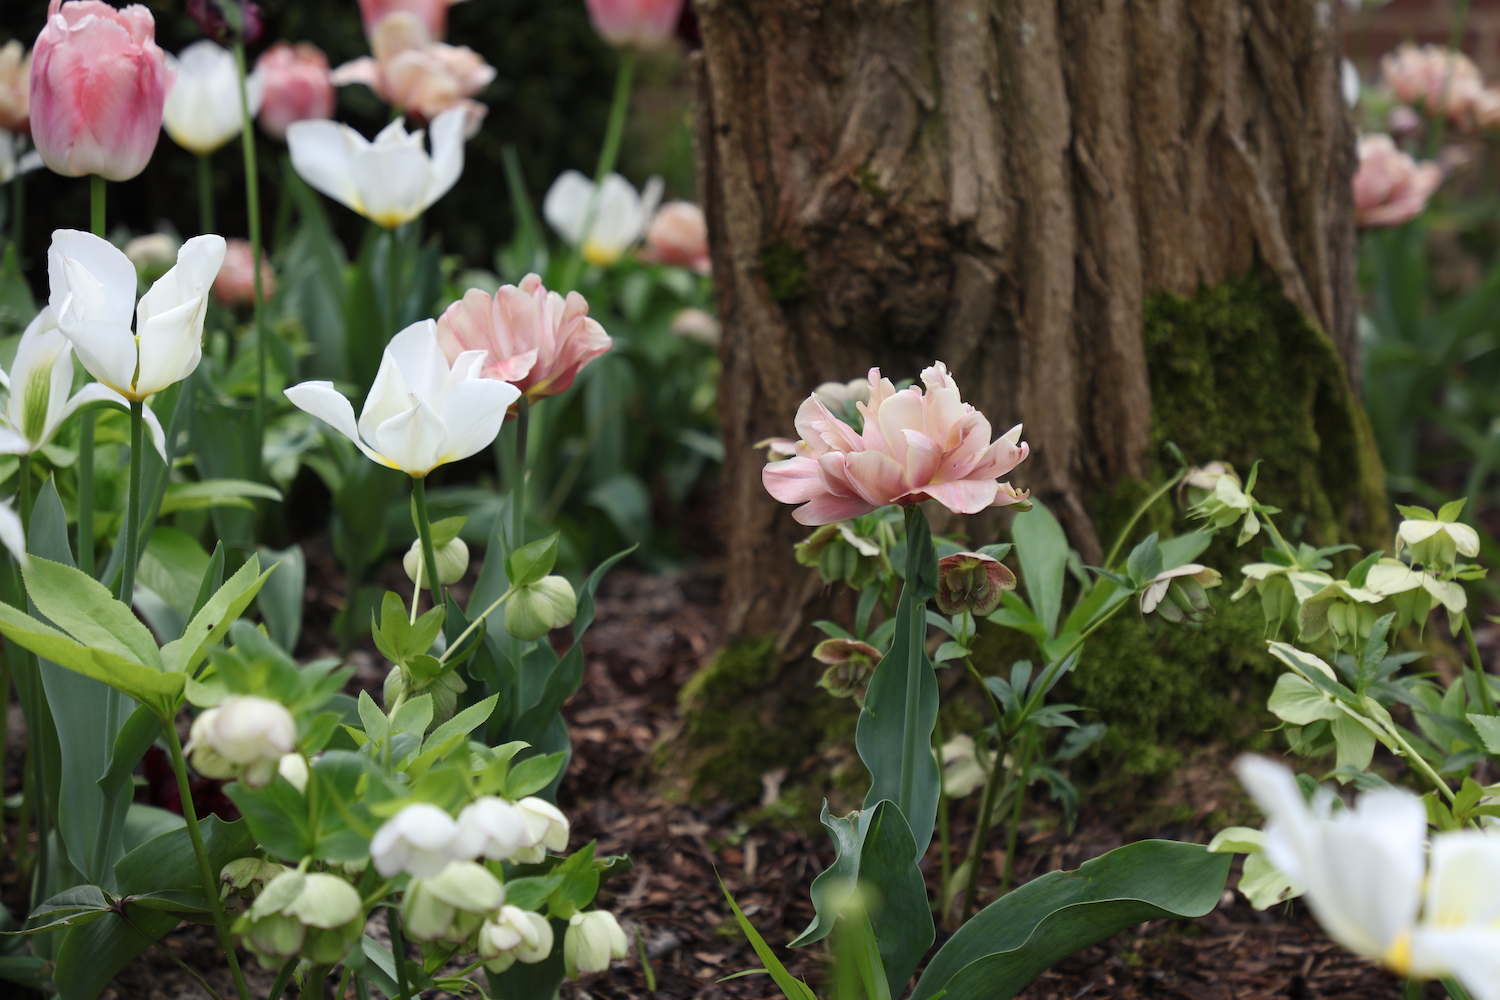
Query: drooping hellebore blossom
x,y
546,829
421,412
643,24
390,180
235,285
245,736
295,86
315,916
850,664
93,295
915,446
434,13
451,905
1436,542
1390,188
415,842
1370,882
678,235
1178,597
531,337
514,935
452,562
490,827
37,401
420,76
972,581
203,109
15,88
620,214
593,939
98,85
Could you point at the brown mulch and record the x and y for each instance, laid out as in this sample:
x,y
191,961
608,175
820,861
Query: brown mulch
x,y
651,634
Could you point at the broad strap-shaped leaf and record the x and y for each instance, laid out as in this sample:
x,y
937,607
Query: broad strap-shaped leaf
x,y
1013,940
1042,549
81,606
213,620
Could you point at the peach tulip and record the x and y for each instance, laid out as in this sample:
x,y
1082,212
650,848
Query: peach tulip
x,y
678,235
98,85
422,77
433,13
15,88
1444,81
235,285
645,24
1390,188
531,337
297,86
915,446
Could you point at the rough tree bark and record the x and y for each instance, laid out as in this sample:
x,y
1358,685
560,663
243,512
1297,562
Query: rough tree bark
x,y
1003,185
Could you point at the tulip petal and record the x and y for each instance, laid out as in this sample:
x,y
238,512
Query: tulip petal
x,y
110,295
413,441
390,180
964,496
13,442
106,350
416,354
322,153
793,480
12,536
828,508
566,205
473,412
1469,954
323,401
447,134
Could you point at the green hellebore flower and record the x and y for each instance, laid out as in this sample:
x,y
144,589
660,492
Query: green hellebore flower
x,y
452,562
593,939
318,917
1178,596
1436,545
535,610
974,581
452,904
850,664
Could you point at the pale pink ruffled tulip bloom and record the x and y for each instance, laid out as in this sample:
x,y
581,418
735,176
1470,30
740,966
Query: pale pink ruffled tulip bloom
x,y
644,24
98,85
678,235
235,285
15,88
915,446
297,87
1434,76
433,13
1390,188
533,338
420,76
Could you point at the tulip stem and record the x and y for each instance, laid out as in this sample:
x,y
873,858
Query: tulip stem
x,y
398,951
1481,676
252,200
86,419
424,532
915,664
205,868
96,205
133,505
23,492
518,482
608,154
205,194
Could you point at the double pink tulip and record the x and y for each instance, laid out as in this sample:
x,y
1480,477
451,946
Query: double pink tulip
x,y
1390,188
98,84
915,446
532,338
15,88
1441,80
296,86
433,13
422,77
643,24
678,235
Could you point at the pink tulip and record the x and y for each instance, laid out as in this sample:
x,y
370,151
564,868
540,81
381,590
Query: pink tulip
x,y
433,13
1440,79
678,235
15,88
98,84
297,86
1390,188
422,77
235,285
645,24
915,446
534,338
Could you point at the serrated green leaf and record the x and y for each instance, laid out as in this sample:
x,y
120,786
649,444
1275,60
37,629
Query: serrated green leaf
x,y
84,608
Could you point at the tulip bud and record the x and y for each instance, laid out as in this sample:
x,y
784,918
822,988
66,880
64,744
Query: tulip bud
x,y
296,87
249,874
645,24
245,736
415,842
678,235
318,917
535,610
491,828
546,828
698,325
514,935
15,88
974,581
850,664
451,905
593,939
452,563
152,254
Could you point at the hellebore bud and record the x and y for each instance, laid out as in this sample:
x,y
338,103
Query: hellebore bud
x,y
318,917
538,608
293,767
1178,597
850,664
514,935
593,939
451,905
974,581
243,737
546,829
452,563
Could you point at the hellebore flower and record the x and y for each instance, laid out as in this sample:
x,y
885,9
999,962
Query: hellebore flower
x,y
546,829
514,935
98,84
414,842
420,412
389,181
203,109
452,562
38,402
538,608
1445,81
293,767
93,293
420,76
1177,595
915,446
490,827
850,664
1436,542
317,917
15,88
620,214
1390,188
235,285
593,939
643,24
451,905
530,337
295,87
1226,503
963,771
245,736
434,13
972,581
678,235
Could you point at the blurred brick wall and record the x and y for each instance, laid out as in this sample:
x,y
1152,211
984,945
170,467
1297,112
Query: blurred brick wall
x,y
1369,33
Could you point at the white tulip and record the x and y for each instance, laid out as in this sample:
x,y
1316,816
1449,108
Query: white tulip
x,y
203,109
620,214
490,827
414,841
1364,871
93,295
593,939
38,384
14,161
420,412
12,535
546,828
389,181
515,935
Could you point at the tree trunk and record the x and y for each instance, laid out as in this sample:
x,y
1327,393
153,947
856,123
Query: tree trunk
x,y
1006,185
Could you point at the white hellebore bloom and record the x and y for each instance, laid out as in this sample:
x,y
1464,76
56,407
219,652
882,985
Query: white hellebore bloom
x,y
593,939
620,214
203,109
389,181
1363,872
414,841
38,403
245,736
490,827
514,935
420,412
93,295
14,161
1436,544
546,829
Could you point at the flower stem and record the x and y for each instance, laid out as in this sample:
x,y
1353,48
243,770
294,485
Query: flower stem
x,y
23,490
1019,777
618,111
1481,676
252,200
282,978
457,643
205,869
133,505
96,205
1124,536
518,484
398,952
424,532
205,194
86,419
18,213
916,633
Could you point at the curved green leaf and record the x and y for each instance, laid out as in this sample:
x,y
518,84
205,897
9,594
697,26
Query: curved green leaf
x,y
139,682
1012,941
212,621
85,609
